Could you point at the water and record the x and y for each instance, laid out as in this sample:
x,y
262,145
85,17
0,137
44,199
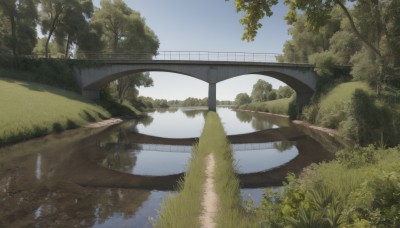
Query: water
x,y
118,176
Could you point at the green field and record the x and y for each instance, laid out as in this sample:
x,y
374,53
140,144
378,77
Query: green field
x,y
29,110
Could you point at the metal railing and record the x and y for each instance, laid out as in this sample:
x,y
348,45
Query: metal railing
x,y
187,56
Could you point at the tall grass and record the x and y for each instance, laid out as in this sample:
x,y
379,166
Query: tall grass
x,y
280,106
30,110
230,213
332,108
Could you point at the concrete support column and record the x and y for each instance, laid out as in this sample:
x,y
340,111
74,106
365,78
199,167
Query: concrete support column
x,y
212,96
91,94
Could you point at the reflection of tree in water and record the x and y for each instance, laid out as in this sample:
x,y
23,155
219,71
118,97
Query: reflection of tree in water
x,y
284,145
244,117
261,124
146,120
119,155
192,113
119,201
173,110
162,110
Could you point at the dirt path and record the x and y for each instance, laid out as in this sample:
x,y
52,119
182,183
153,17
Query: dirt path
x,y
210,199
104,123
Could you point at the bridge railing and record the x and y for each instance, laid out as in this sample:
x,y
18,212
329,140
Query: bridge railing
x,y
186,56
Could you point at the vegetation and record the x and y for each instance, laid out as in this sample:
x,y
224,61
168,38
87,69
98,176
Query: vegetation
x,y
31,110
54,72
359,189
280,106
75,29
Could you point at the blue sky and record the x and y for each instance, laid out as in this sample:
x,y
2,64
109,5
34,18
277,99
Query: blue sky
x,y
206,25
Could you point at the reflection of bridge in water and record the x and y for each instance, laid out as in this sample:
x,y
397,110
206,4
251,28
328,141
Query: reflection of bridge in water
x,y
189,149
95,174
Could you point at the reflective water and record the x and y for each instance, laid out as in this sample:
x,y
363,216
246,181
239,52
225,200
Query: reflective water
x,y
118,176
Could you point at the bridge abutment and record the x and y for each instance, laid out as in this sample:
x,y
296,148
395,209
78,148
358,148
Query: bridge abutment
x,y
91,94
212,96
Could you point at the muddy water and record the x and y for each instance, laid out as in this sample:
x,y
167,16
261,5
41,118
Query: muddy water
x,y
118,176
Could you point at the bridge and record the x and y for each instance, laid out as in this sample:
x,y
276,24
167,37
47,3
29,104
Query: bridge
x,y
210,67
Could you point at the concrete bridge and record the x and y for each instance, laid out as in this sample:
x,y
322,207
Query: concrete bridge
x,y
300,77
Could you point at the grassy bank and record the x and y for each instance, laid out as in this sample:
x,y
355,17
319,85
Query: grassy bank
x,y
331,109
359,189
184,208
280,106
30,110
353,109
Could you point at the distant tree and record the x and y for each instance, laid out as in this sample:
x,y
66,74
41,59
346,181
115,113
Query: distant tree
x,y
242,98
284,92
21,17
260,91
272,95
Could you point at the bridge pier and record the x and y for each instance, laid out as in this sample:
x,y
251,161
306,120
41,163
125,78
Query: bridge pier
x,y
212,96
91,94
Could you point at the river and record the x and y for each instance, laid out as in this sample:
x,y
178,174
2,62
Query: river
x,y
118,176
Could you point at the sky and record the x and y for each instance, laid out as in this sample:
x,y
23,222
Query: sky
x,y
206,25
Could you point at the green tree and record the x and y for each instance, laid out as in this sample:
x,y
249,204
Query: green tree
x,y
74,25
260,91
63,18
284,92
242,98
367,22
124,30
21,17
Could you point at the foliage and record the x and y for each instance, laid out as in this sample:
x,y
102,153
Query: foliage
x,y
64,19
360,190
19,18
254,12
260,91
242,98
32,110
280,106
52,72
122,30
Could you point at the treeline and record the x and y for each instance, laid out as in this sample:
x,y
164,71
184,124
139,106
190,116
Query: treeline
x,y
77,29
150,103
263,91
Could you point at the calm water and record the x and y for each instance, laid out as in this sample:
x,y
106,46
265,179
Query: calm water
x,y
103,177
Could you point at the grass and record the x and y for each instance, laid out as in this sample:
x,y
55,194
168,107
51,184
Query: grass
x,y
30,110
184,209
333,107
280,106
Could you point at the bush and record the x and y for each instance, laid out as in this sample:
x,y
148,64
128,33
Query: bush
x,y
55,72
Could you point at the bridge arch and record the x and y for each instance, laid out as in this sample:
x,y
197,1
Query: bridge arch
x,y
301,77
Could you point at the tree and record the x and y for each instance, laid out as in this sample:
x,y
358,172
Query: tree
x,y
63,18
284,92
260,91
74,25
124,30
370,15
242,98
21,15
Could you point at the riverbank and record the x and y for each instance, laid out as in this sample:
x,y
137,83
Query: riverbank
x,y
32,110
